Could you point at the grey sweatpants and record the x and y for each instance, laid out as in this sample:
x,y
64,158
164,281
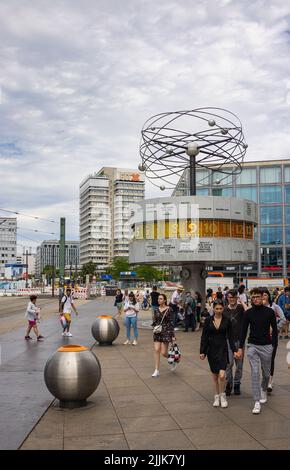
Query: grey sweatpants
x,y
239,367
259,356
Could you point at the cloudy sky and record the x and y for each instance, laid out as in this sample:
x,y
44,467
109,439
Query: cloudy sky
x,y
78,79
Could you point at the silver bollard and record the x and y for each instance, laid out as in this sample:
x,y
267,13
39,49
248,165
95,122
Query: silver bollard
x,y
72,374
105,329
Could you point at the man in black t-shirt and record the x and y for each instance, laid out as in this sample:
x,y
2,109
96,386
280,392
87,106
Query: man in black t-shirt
x,y
235,312
262,338
154,299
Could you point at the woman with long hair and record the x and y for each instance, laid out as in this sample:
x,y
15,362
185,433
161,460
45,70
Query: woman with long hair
x,y
281,320
162,316
119,302
216,331
131,309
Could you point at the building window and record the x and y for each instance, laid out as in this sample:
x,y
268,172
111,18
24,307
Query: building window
x,y
271,235
222,177
202,191
270,215
287,235
287,214
202,178
247,192
248,176
271,194
288,258
287,194
226,192
287,174
271,257
270,174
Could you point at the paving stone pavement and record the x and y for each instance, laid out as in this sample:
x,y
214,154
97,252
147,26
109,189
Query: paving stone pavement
x,y
131,410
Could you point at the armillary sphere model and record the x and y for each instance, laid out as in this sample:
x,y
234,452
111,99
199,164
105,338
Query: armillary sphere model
x,y
209,138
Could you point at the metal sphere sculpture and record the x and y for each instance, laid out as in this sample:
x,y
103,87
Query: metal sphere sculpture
x,y
209,138
72,374
105,329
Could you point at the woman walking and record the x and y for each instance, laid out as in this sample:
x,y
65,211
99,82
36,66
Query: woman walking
x,y
119,302
162,316
281,321
217,329
198,299
32,315
131,309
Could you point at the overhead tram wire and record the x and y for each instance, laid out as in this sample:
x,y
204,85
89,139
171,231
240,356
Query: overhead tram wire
x,y
26,215
34,217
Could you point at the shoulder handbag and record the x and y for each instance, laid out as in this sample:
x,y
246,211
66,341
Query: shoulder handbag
x,y
158,328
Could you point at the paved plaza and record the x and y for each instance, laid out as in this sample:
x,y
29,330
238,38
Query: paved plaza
x,y
130,409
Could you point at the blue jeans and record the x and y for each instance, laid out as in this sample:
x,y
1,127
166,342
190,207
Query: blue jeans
x,y
131,322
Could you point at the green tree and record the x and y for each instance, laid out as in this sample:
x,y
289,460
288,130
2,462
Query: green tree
x,y
119,264
88,268
149,273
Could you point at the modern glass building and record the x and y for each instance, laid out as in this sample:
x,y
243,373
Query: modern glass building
x,y
268,184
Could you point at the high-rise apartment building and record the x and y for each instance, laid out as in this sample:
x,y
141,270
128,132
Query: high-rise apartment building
x,y
47,254
268,184
105,197
8,242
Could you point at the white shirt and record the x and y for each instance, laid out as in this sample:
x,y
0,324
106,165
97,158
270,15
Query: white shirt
x,y
175,298
242,297
68,302
31,311
130,312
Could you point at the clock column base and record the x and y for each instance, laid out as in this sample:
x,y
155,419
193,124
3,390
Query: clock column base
x,y
195,282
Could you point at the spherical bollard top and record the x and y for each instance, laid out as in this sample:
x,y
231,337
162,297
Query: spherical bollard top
x,y
105,329
72,374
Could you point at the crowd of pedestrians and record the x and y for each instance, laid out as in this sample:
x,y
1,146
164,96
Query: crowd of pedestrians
x,y
227,317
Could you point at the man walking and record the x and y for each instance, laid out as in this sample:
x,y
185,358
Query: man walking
x,y
67,304
284,304
154,299
260,345
235,313
189,312
175,303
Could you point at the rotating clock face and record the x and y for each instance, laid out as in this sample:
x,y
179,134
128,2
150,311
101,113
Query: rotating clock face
x,y
203,274
185,273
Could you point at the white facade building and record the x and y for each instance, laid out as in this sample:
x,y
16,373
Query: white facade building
x,y
105,198
8,242
47,254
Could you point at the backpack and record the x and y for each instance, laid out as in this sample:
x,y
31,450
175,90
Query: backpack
x,y
61,304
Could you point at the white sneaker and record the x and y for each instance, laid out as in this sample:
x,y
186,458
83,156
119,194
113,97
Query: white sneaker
x,y
270,388
64,333
263,397
127,342
257,408
156,373
68,334
134,342
216,400
224,402
176,329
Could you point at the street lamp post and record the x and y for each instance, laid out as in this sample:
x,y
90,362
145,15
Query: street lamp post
x,y
53,271
192,151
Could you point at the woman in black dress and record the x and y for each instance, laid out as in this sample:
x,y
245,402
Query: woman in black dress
x,y
162,340
217,329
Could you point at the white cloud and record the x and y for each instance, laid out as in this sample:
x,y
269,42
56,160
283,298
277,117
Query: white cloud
x,y
79,79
